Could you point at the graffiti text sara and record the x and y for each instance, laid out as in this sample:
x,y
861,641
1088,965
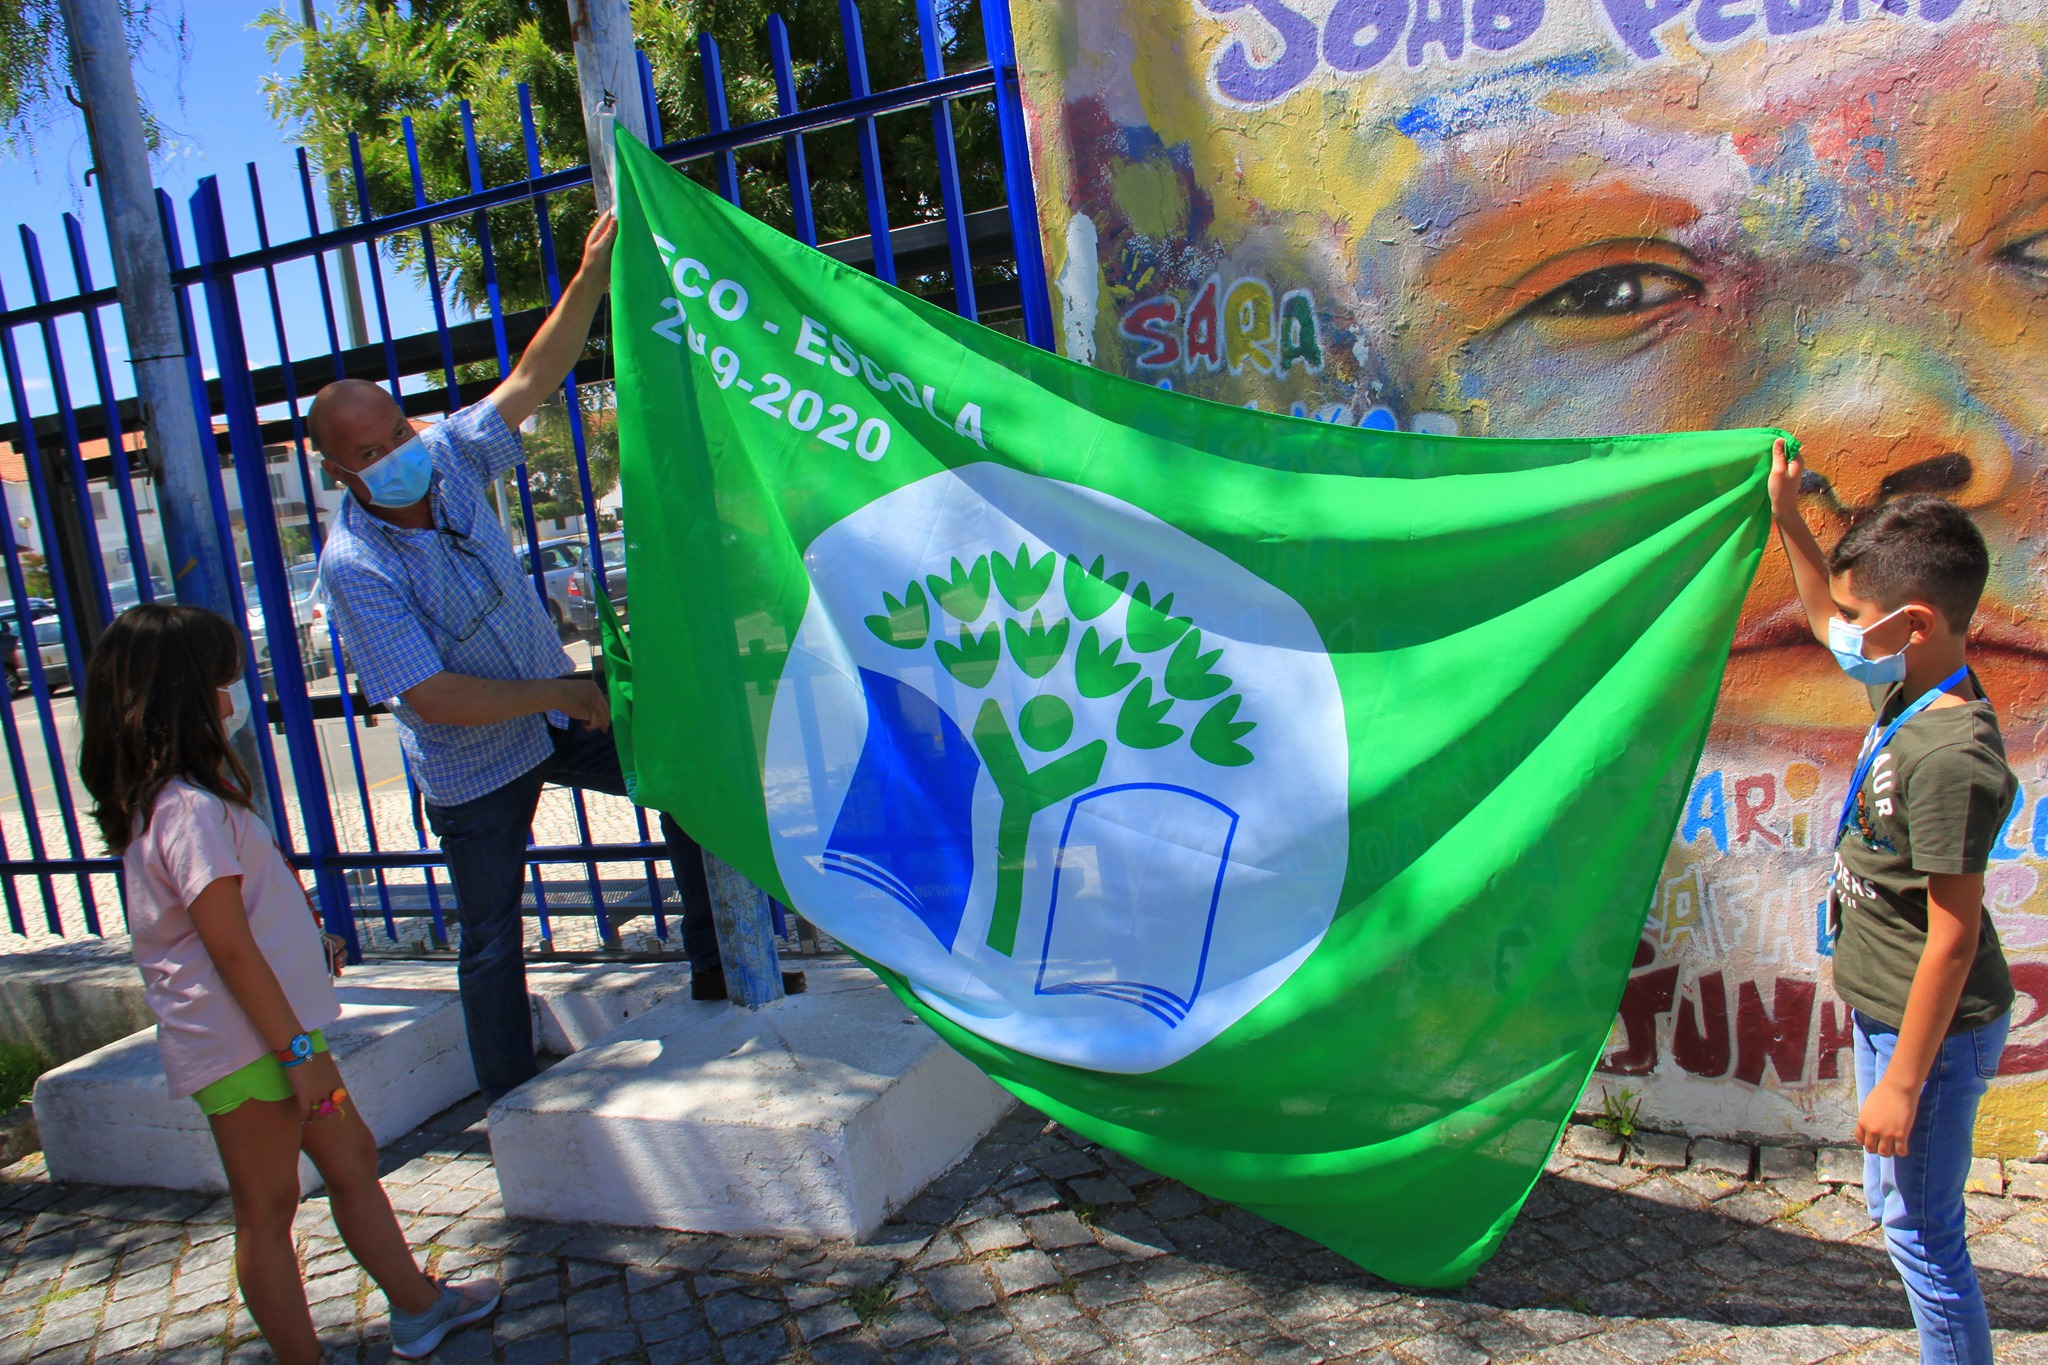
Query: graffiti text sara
x,y
1241,328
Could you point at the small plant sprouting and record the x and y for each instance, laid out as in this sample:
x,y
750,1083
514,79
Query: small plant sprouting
x,y
1620,1111
872,1303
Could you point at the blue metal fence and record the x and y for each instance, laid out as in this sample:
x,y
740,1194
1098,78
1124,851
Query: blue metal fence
x,y
376,875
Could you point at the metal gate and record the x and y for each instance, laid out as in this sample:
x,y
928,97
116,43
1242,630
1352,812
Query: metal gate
x,y
82,524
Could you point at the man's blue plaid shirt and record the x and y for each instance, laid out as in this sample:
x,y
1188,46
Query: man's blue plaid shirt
x,y
412,603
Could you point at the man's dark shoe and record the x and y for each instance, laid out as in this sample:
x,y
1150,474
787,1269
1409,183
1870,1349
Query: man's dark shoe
x,y
711,985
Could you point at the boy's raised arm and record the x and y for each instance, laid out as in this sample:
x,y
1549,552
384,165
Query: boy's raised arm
x,y
1809,565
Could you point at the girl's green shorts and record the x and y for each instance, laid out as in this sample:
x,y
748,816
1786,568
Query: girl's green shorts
x,y
262,1079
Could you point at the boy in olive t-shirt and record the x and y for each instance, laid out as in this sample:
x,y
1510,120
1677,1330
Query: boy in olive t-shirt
x,y
1916,955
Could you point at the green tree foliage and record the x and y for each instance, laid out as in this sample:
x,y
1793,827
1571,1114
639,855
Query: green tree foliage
x,y
35,65
372,62
551,454
1037,759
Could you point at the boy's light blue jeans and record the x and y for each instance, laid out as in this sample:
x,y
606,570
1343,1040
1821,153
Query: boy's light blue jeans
x,y
1918,1198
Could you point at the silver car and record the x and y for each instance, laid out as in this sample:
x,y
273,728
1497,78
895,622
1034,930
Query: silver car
x,y
50,644
559,558
583,587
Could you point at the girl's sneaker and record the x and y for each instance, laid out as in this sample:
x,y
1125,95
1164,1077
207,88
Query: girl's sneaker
x,y
414,1335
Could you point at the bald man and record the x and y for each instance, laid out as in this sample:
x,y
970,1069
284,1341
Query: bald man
x,y
440,624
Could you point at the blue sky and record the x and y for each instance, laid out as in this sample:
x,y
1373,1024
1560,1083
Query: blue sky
x,y
211,101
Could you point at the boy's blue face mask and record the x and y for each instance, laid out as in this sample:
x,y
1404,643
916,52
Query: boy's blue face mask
x,y
399,478
1846,641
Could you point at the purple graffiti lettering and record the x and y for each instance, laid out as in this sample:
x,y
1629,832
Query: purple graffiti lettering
x,y
1498,25
1716,22
1236,74
1441,22
1934,11
1341,46
1636,22
1795,16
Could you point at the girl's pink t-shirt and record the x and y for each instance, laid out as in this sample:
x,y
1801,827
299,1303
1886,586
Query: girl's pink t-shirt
x,y
194,838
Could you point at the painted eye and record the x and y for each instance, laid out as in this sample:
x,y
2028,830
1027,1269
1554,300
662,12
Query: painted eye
x,y
2030,255
1616,291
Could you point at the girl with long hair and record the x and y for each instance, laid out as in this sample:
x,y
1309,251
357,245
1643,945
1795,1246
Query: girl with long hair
x,y
237,974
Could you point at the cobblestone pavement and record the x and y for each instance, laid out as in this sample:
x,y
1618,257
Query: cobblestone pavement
x,y
1042,1248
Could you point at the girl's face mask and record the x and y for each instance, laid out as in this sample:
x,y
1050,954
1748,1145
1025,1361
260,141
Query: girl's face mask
x,y
1846,642
238,708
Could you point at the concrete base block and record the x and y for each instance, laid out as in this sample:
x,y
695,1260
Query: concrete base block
x,y
67,1001
816,1116
577,1003
574,1003
107,1118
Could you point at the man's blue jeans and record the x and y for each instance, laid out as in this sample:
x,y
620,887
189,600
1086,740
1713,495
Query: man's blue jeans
x,y
484,842
1918,1198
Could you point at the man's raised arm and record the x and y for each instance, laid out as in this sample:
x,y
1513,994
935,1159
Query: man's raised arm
x,y
553,351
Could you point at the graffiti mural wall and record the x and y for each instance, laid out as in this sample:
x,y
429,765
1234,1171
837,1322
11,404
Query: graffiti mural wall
x,y
1573,217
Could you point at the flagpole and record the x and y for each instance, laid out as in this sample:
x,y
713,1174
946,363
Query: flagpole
x,y
607,70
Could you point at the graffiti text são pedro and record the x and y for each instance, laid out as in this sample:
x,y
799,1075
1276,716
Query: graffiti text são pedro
x,y
1359,36
1782,1030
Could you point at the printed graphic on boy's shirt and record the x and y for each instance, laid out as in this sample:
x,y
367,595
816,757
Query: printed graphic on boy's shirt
x,y
1880,786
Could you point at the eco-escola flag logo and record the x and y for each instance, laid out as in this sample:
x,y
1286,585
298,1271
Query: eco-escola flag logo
x,y
1060,787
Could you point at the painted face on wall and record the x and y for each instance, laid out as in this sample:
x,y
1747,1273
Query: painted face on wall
x,y
1849,243
1608,228
1576,217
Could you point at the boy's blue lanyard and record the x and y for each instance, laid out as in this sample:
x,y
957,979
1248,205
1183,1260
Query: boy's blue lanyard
x,y
1873,745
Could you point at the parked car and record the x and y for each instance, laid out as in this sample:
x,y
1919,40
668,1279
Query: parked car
x,y
583,587
559,559
16,628
50,644
124,594
37,607
308,617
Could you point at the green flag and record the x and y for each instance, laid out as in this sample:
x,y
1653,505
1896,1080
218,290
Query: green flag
x,y
1277,803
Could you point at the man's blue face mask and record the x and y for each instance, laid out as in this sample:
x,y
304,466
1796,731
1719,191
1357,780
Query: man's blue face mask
x,y
1846,642
401,477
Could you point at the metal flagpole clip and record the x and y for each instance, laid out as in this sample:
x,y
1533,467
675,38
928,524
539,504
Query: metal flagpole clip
x,y
608,150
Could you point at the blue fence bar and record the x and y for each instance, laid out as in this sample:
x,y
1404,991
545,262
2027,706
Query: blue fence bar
x,y
94,523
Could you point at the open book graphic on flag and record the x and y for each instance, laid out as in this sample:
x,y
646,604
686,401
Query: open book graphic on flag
x,y
906,824
1134,896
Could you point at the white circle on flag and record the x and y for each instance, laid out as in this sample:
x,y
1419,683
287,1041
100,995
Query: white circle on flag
x,y
1029,788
